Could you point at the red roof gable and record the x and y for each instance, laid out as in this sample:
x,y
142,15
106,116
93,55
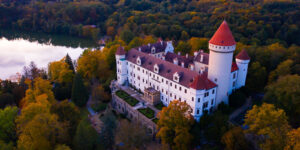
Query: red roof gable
x,y
200,82
120,51
243,55
223,36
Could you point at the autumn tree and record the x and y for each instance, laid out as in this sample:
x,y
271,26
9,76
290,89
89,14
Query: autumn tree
x,y
284,68
234,139
79,92
126,35
39,87
133,135
62,147
59,71
7,124
174,125
284,93
269,122
183,47
99,95
293,140
198,43
93,64
67,113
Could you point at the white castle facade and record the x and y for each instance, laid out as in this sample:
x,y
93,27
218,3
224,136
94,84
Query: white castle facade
x,y
203,80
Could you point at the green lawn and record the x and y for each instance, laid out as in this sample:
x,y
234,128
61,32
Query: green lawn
x,y
127,98
155,120
148,112
159,106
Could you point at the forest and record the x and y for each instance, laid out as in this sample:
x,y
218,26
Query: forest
x,y
47,109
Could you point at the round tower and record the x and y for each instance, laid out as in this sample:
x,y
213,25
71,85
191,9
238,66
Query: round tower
x,y
242,60
221,46
121,65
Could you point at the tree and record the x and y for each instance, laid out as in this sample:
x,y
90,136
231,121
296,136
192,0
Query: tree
x,y
86,136
269,122
256,71
93,64
136,42
98,94
198,43
284,93
62,147
183,47
6,99
284,68
237,99
184,36
174,125
79,92
59,71
7,124
107,134
234,139
69,61
6,146
31,72
40,87
133,135
42,132
67,113
293,140
126,35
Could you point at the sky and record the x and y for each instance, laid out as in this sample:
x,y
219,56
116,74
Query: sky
x,y
16,54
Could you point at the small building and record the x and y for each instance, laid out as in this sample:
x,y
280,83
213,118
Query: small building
x,y
152,96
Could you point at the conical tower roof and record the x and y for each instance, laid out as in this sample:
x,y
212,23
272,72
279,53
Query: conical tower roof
x,y
223,36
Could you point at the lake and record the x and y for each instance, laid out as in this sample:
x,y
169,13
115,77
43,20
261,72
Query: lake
x,y
18,49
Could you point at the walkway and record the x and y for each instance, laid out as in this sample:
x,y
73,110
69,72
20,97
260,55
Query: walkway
x,y
240,110
94,116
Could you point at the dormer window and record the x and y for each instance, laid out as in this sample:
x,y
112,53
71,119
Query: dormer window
x,y
153,50
176,77
156,68
139,61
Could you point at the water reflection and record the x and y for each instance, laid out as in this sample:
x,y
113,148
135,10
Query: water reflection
x,y
19,49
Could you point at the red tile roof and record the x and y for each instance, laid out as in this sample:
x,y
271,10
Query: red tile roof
x,y
120,51
201,83
243,55
223,36
234,67
167,69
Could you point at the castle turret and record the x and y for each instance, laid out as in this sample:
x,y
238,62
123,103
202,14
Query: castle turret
x,y
221,46
242,61
122,73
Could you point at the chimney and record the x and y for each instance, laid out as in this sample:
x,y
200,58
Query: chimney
x,y
195,53
182,64
179,53
175,61
140,49
187,55
192,67
201,58
163,57
149,44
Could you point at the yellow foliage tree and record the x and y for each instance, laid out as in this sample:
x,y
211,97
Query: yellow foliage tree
x,y
59,71
234,139
269,122
174,125
293,140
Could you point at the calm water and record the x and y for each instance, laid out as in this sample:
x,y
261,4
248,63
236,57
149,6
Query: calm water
x,y
19,49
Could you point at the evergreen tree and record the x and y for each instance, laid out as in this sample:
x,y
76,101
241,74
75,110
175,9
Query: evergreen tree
x,y
68,60
79,92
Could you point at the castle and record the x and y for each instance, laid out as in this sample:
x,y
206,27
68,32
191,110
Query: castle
x,y
203,80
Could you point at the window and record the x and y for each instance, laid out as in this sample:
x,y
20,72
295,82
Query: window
x,y
166,82
205,105
170,94
174,96
180,88
162,97
185,90
212,101
197,111
138,68
192,98
213,91
162,80
175,86
199,100
234,76
233,84
162,90
206,94
170,83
